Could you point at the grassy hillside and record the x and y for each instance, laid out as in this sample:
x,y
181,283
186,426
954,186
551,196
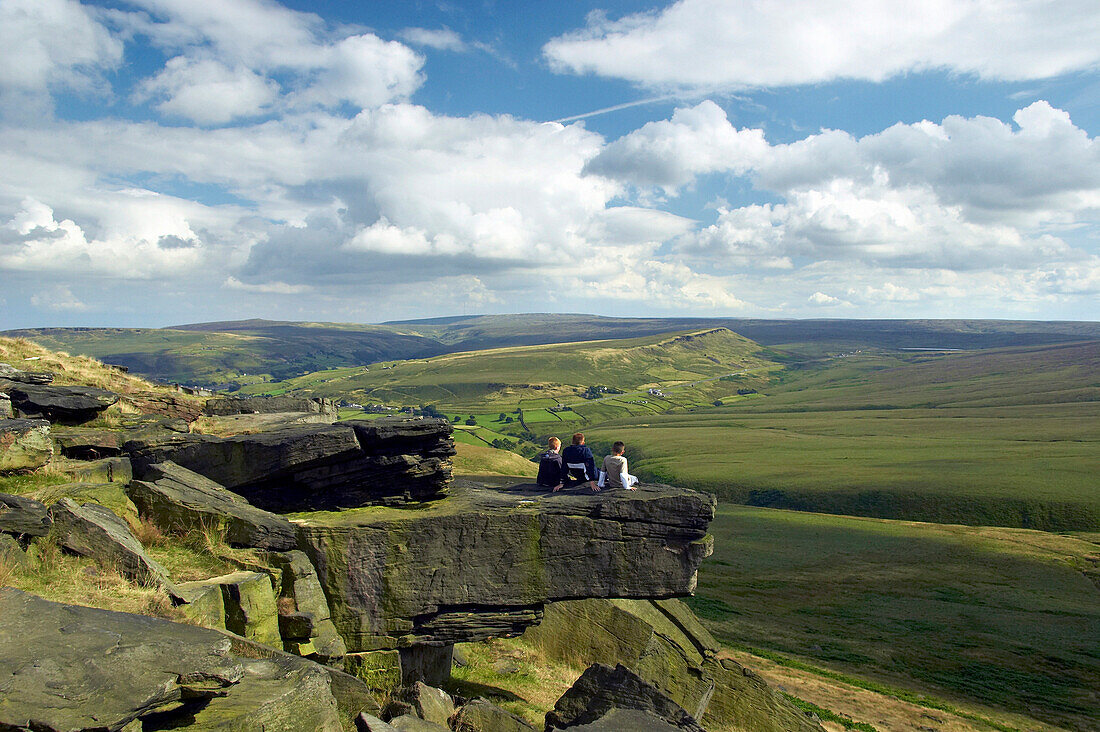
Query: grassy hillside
x,y
534,377
246,351
1009,437
1005,618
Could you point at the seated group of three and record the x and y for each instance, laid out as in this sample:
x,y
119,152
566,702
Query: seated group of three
x,y
576,465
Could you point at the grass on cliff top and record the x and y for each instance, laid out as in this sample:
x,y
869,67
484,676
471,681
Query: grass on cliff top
x,y
998,618
71,370
473,460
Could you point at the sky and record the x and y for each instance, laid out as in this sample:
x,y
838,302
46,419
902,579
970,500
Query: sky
x,y
178,161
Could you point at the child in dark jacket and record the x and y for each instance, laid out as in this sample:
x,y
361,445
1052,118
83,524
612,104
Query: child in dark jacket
x,y
551,467
580,464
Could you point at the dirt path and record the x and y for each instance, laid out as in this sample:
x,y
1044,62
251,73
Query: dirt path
x,y
884,713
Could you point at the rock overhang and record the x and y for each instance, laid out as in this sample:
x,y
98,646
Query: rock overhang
x,y
484,560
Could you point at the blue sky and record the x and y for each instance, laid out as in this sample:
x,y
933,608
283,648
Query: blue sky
x,y
170,161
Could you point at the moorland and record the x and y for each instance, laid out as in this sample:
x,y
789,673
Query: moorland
x,y
907,506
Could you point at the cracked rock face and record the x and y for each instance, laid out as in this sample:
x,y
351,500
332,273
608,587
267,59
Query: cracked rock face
x,y
484,561
64,667
317,467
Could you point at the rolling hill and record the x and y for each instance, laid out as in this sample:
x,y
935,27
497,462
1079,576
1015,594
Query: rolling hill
x,y
233,353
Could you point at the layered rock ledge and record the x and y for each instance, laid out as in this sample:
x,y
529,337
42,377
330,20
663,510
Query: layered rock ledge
x,y
483,561
316,467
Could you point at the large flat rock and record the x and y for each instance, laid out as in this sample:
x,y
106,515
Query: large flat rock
x,y
65,668
23,516
483,561
63,404
316,467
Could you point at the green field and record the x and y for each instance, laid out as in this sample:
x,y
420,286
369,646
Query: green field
x,y
1008,438
1007,618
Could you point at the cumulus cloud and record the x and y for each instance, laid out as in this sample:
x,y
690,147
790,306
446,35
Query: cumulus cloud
x,y
708,44
230,56
53,43
820,298
671,153
208,92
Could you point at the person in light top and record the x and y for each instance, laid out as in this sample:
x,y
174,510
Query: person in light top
x,y
615,470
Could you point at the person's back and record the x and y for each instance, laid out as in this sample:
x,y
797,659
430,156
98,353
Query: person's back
x,y
614,466
551,468
580,463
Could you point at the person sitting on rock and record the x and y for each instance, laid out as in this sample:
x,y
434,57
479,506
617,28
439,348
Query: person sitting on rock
x,y
551,469
580,464
615,469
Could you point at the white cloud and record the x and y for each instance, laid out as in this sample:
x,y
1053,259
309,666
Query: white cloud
x,y
58,299
671,153
820,298
441,39
267,288
208,92
228,55
47,43
706,44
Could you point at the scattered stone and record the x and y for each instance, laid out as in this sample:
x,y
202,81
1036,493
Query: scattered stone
x,y
105,470
95,531
205,605
10,551
317,467
370,723
11,373
23,516
225,406
61,404
309,628
429,703
481,715
65,667
175,499
409,723
81,444
601,689
24,444
250,606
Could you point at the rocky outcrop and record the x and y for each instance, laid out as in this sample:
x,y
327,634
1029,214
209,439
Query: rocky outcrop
x,y
602,690
24,444
11,373
317,468
177,499
665,645
60,404
64,668
167,405
6,411
105,470
225,406
247,599
94,531
484,561
22,516
307,629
